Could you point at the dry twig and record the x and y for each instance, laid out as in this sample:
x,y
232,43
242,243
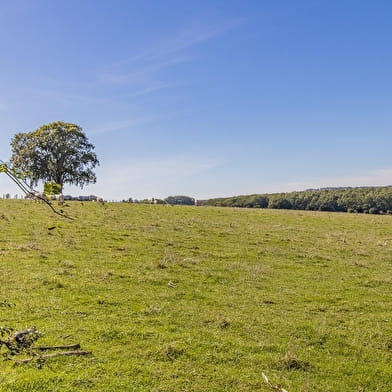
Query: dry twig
x,y
272,386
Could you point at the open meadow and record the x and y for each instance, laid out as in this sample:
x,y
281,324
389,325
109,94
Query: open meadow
x,y
197,299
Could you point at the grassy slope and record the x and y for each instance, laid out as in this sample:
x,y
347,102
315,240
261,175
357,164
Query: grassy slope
x,y
302,296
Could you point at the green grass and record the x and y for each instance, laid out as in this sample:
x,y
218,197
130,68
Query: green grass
x,y
198,299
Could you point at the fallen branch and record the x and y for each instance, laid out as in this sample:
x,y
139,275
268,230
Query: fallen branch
x,y
272,386
69,347
53,355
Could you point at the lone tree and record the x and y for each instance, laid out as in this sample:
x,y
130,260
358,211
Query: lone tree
x,y
57,152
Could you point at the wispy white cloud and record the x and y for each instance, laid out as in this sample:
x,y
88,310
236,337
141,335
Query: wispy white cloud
x,y
119,125
236,186
170,167
184,39
142,73
133,123
3,106
150,89
166,52
152,177
60,96
381,177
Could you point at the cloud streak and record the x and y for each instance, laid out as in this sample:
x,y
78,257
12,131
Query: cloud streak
x,y
129,124
153,177
120,125
183,40
381,177
141,73
166,53
169,167
3,106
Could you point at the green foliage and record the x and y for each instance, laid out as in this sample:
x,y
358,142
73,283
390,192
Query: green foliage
x,y
365,199
199,299
57,152
51,188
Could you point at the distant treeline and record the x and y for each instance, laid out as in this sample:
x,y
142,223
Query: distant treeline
x,y
373,200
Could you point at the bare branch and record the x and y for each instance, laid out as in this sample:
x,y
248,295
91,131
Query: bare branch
x,y
28,191
272,386
68,347
53,355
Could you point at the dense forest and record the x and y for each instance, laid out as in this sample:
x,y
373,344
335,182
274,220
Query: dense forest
x,y
373,200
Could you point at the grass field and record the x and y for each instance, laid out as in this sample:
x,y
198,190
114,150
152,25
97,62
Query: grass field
x,y
198,299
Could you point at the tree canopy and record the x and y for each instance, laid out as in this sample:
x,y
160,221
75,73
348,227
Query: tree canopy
x,y
58,152
372,200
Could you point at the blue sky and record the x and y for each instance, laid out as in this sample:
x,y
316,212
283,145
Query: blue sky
x,y
206,98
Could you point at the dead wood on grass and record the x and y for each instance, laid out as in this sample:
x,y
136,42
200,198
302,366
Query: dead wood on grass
x,y
40,358
272,386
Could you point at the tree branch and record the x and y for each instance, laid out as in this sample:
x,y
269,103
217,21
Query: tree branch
x,y
272,386
69,347
53,355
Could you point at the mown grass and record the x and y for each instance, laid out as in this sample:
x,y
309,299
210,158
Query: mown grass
x,y
198,299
